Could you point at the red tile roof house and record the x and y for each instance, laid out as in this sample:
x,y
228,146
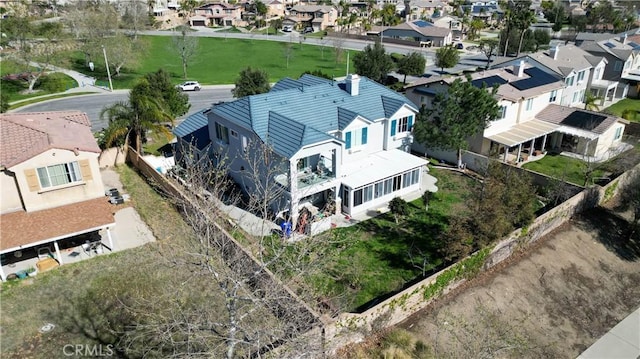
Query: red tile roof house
x,y
51,188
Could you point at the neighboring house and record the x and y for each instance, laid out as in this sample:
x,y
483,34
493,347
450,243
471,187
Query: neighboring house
x,y
51,183
193,141
420,31
217,14
531,120
320,17
448,22
623,62
485,10
338,146
422,9
575,67
275,8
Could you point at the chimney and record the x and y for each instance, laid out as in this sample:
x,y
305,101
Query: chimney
x,y
519,68
553,52
623,38
353,84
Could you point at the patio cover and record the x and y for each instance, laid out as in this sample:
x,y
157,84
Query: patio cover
x,y
379,166
523,132
26,229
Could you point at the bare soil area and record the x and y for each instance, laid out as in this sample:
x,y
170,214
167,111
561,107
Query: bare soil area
x,y
555,300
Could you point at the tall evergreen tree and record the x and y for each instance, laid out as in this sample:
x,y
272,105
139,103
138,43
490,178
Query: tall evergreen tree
x,y
373,62
461,112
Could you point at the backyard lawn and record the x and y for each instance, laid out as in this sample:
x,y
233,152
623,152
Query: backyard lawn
x,y
383,256
561,167
632,105
219,60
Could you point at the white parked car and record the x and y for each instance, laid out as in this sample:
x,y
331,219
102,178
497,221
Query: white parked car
x,y
287,28
189,86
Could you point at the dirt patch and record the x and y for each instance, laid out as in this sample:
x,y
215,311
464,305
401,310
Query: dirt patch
x,y
553,301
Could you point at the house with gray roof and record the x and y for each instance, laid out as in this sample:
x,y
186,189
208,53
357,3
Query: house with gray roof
x,y
579,70
623,62
328,146
420,31
532,119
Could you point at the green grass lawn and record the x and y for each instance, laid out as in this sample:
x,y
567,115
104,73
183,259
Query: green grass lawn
x,y
219,61
627,104
15,88
561,167
383,256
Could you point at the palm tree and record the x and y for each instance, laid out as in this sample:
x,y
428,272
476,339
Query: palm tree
x,y
591,102
130,120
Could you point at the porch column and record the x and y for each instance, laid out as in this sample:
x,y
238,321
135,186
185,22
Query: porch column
x,y
3,277
519,151
110,239
506,151
544,142
55,245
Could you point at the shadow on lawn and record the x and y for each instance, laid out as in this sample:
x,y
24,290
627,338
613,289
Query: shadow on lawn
x,y
612,231
412,244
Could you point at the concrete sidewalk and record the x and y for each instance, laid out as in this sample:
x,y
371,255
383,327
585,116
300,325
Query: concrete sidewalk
x,y
621,342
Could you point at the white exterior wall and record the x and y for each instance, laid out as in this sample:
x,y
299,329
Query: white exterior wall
x,y
51,197
374,143
401,140
607,139
10,194
381,201
510,119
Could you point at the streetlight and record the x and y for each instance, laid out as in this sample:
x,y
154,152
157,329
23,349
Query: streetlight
x,y
104,51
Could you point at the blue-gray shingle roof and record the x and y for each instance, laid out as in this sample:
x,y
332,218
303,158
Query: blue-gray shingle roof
x,y
319,105
192,123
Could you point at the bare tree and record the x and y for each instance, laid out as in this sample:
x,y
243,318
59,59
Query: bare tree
x,y
288,53
37,46
185,45
135,16
338,47
224,297
123,51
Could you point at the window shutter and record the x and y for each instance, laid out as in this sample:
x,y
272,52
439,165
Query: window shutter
x,y
347,139
32,180
394,124
410,124
85,170
364,136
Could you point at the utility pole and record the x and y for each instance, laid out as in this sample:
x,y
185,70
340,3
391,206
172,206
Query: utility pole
x,y
104,51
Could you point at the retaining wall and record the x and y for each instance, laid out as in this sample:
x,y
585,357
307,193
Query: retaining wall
x,y
351,327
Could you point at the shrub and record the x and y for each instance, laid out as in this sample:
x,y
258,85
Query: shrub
x,y
55,82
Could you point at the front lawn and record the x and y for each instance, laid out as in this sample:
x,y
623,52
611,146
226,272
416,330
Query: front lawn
x,y
382,256
628,107
48,84
219,60
562,167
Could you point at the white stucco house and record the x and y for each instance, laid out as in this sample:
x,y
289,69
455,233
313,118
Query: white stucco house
x,y
334,146
532,118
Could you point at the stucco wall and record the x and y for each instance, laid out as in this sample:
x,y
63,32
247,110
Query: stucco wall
x,y
43,198
9,193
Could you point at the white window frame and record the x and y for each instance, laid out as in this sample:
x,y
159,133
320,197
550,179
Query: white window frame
x,y
529,104
553,96
222,133
66,173
403,125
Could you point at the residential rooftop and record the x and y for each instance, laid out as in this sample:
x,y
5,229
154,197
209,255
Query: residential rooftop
x,y
510,86
309,110
25,135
